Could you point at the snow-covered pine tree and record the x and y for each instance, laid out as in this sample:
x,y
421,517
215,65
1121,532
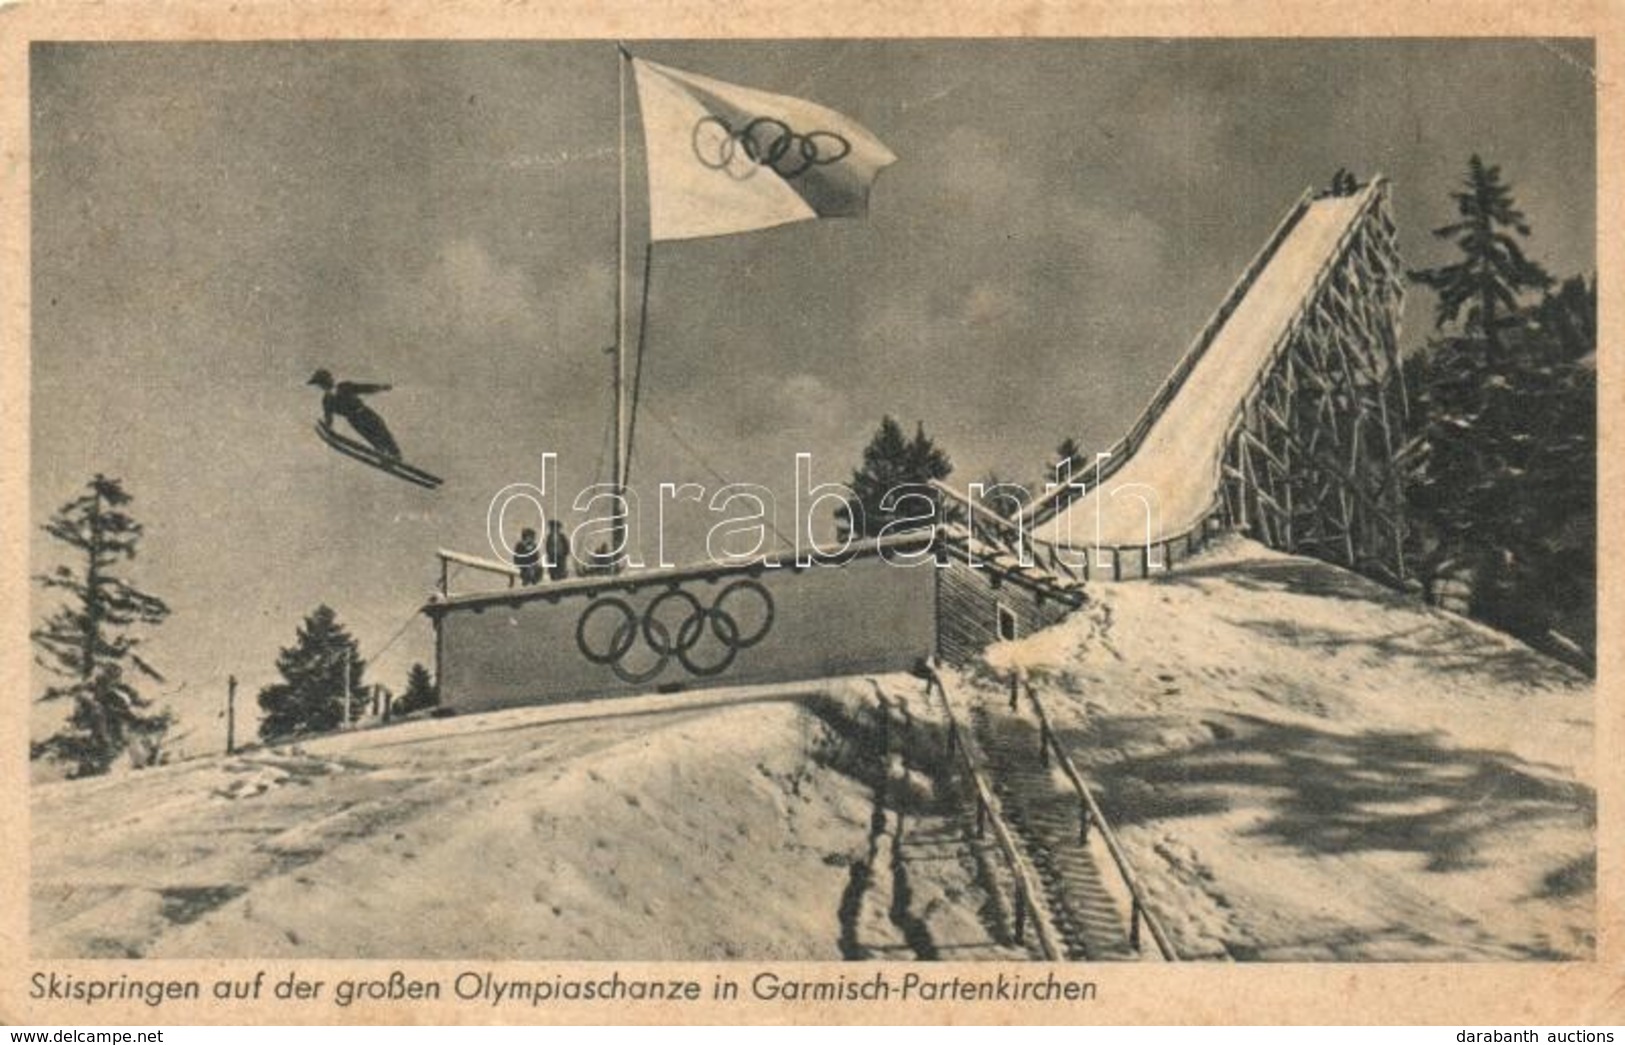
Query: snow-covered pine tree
x,y
1503,491
88,643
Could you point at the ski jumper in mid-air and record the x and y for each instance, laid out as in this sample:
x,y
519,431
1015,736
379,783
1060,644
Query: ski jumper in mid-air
x,y
343,399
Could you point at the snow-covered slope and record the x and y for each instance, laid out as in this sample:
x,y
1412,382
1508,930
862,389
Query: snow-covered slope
x,y
1301,764
1305,765
758,823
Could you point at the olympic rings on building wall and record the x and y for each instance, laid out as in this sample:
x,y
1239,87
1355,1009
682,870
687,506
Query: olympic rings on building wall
x,y
660,639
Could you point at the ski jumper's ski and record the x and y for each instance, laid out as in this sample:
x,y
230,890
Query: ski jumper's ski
x,y
368,456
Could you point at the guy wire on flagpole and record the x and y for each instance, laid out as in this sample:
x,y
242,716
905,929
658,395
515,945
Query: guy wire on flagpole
x,y
618,466
637,364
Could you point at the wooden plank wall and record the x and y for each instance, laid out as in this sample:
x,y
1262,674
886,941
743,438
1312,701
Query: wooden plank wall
x,y
967,610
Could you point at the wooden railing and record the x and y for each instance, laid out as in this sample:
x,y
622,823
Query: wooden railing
x,y
637,573
475,562
1105,562
1089,815
1010,534
1028,893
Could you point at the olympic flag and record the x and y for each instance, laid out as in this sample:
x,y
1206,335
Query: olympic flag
x,y
724,158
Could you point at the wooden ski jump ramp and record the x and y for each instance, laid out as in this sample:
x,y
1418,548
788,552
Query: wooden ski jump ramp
x,y
1284,418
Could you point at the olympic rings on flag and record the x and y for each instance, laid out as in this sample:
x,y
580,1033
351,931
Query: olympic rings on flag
x,y
663,641
766,142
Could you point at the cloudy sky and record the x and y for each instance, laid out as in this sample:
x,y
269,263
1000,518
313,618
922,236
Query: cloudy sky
x,y
213,222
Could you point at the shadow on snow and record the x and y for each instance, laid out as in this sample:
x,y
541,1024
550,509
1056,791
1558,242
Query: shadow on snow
x,y
1328,792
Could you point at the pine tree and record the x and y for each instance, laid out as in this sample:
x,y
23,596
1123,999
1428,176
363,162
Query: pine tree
x,y
421,691
87,642
1493,273
1569,318
312,696
1503,491
1068,458
896,466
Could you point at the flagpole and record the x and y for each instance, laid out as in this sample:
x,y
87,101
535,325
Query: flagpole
x,y
619,463
637,364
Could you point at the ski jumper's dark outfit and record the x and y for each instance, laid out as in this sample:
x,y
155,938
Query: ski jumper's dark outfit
x,y
345,400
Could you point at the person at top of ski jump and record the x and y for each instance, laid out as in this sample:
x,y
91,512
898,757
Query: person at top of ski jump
x,y
344,399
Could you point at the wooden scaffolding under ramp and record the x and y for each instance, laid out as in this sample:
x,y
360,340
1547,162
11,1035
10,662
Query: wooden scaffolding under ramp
x,y
1311,462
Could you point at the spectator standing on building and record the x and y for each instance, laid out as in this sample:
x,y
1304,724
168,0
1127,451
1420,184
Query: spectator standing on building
x,y
527,557
558,551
